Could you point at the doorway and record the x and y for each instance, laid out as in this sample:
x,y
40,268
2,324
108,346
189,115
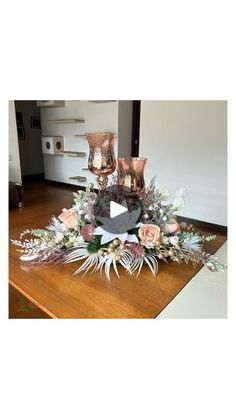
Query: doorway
x,y
29,138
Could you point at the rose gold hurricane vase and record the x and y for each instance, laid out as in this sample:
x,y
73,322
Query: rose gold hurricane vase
x,y
101,159
131,177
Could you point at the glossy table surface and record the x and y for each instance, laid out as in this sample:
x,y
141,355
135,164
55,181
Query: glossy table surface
x,y
58,293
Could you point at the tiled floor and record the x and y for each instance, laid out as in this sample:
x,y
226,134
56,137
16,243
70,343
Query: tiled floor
x,y
204,297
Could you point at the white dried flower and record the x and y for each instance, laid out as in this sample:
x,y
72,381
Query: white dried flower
x,y
76,240
72,239
165,194
211,266
79,239
59,237
180,196
193,242
165,240
63,227
174,240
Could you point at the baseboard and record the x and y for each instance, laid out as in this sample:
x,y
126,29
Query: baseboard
x,y
64,185
38,176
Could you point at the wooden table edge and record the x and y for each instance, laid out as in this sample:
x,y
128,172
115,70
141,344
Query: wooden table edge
x,y
21,291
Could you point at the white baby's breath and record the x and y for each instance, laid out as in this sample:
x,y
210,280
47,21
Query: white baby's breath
x,y
59,237
165,240
179,199
174,240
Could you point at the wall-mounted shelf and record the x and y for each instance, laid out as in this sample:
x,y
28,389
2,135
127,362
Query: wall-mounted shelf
x,y
85,169
73,153
101,101
80,135
67,121
79,178
51,103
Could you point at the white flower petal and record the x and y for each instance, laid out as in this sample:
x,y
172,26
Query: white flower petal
x,y
107,237
132,238
165,240
27,258
173,240
98,231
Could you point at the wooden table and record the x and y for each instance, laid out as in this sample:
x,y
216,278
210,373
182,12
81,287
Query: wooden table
x,y
59,294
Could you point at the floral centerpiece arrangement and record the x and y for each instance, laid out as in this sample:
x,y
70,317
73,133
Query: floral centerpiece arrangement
x,y
153,233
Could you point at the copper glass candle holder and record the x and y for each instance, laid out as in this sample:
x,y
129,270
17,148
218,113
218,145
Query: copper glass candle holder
x,y
101,159
130,177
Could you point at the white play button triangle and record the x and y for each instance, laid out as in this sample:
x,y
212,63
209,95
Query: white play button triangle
x,y
116,209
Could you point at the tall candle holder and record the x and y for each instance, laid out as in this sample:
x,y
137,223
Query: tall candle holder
x,y
130,175
101,159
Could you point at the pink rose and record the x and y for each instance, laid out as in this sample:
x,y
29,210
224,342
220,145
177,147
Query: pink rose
x,y
87,232
70,218
171,227
149,235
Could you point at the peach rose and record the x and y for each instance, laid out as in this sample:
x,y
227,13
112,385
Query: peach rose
x,y
171,227
70,218
149,235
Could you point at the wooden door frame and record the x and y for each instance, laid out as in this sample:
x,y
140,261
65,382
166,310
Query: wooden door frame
x,y
135,128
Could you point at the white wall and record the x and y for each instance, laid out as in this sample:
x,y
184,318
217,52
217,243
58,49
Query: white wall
x,y
125,113
186,145
14,156
30,148
98,117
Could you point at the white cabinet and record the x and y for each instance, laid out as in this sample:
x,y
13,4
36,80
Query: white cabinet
x,y
52,145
